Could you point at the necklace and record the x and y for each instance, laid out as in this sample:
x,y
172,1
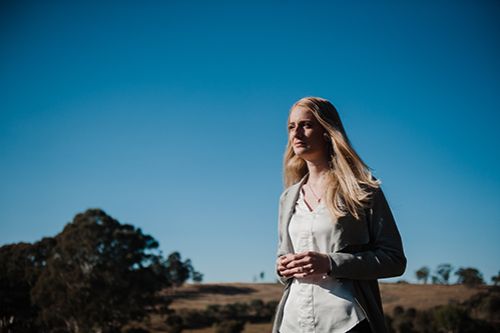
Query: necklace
x,y
318,198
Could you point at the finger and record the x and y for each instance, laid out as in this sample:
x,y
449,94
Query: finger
x,y
287,271
293,271
299,262
301,255
307,267
283,260
283,274
300,275
282,269
287,274
305,273
286,258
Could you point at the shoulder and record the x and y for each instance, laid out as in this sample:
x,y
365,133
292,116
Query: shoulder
x,y
288,190
375,194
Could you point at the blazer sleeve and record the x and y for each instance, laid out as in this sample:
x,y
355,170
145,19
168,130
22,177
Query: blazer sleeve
x,y
281,251
385,258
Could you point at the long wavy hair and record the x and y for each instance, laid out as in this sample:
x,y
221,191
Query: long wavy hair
x,y
349,180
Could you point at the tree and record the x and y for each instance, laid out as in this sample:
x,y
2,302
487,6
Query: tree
x,y
443,271
403,319
496,279
423,322
21,265
194,319
94,276
99,275
256,307
485,305
174,323
178,271
469,276
423,274
16,310
197,277
490,306
450,318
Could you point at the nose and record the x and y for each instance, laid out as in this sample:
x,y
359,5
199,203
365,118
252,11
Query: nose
x,y
297,132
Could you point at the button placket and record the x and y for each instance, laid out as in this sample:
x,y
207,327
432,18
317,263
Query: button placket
x,y
306,312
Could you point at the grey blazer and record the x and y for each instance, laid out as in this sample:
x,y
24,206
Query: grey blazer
x,y
362,251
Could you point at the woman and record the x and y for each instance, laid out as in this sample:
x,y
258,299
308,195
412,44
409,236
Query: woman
x,y
337,235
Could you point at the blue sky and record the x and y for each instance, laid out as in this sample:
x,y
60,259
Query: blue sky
x,y
172,116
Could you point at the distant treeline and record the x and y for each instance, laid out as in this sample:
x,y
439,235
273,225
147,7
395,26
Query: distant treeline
x,y
99,275
94,276
469,276
224,318
481,313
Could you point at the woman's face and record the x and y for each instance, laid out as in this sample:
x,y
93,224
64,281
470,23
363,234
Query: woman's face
x,y
306,135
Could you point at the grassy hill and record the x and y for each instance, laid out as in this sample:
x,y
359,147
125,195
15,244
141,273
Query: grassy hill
x,y
198,296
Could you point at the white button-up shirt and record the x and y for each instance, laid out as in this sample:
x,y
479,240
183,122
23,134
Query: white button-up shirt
x,y
318,303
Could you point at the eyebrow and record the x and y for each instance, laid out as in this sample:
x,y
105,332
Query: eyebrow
x,y
301,121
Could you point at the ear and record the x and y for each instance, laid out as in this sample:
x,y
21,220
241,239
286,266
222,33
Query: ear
x,y
326,137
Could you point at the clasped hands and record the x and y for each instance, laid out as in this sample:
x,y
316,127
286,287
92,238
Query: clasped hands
x,y
300,265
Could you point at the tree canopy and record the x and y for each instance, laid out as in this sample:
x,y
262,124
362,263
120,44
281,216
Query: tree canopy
x,y
96,275
422,274
469,276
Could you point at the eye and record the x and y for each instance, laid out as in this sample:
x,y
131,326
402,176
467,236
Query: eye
x,y
290,126
308,124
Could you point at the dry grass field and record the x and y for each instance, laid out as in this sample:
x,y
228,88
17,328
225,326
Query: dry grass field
x,y
198,296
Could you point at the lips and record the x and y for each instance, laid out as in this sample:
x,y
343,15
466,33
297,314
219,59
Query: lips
x,y
299,144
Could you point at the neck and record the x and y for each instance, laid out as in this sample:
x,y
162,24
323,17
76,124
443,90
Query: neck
x,y
317,170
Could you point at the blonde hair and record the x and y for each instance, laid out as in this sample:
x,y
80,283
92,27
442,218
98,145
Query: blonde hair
x,y
350,182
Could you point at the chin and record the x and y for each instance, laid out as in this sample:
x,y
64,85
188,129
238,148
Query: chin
x,y
301,152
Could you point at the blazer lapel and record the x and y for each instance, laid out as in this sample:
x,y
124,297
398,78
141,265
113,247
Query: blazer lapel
x,y
288,209
347,232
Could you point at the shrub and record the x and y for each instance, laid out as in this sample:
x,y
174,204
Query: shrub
x,y
229,326
174,323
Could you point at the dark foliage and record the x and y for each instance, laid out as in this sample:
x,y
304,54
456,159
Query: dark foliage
x,y
136,330
229,326
174,323
479,314
21,265
255,311
496,279
443,272
96,275
422,274
469,276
